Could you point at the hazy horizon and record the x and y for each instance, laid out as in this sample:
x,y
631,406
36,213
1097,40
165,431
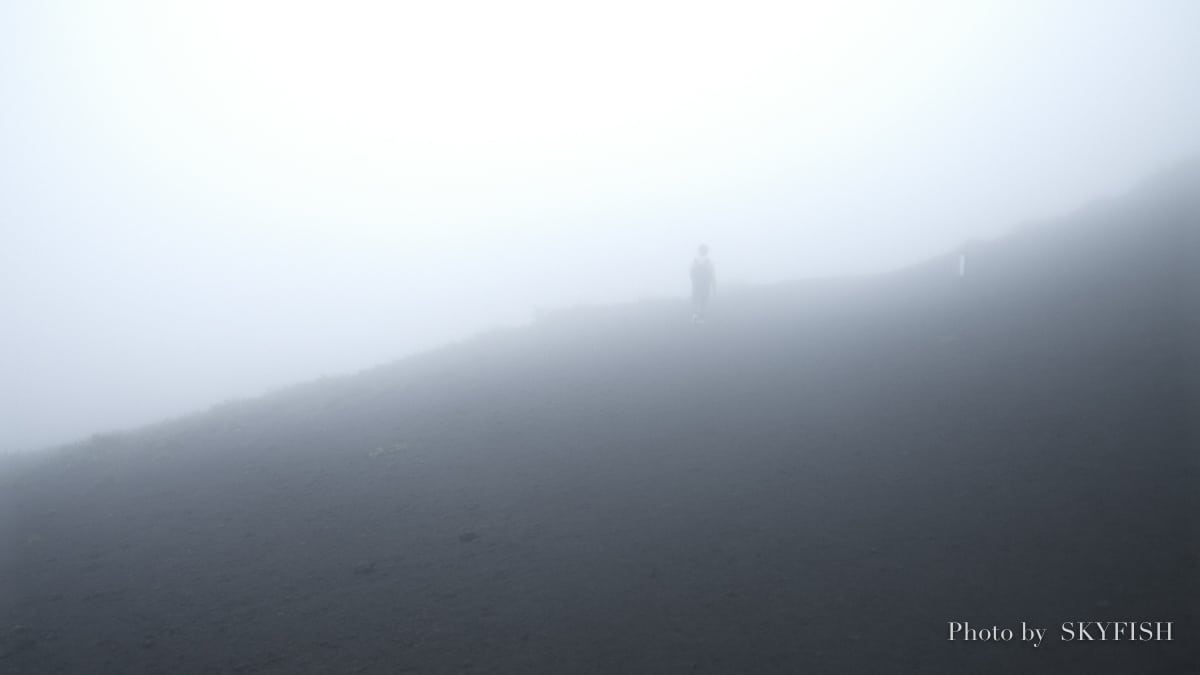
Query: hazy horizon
x,y
207,201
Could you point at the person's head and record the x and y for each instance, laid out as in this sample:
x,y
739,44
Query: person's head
x,y
703,250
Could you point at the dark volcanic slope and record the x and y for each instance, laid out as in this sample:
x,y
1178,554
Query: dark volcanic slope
x,y
816,481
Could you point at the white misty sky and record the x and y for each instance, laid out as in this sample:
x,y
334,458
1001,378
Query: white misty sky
x,y
203,200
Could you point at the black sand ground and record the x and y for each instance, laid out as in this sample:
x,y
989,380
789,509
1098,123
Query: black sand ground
x,y
817,481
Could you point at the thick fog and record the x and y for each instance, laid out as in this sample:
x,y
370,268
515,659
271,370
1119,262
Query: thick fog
x,y
208,200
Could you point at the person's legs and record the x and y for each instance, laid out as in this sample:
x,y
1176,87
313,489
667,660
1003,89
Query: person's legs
x,y
699,304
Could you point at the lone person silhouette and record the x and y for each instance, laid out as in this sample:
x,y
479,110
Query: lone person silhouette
x,y
704,282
